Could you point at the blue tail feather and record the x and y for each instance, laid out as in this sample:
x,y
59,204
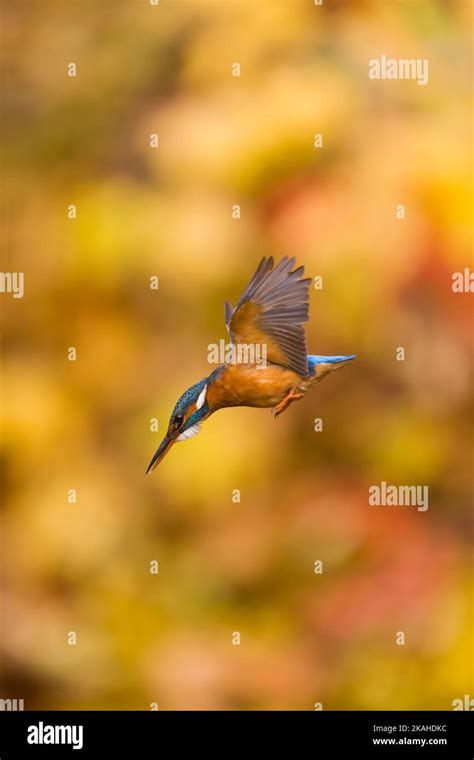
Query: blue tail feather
x,y
314,359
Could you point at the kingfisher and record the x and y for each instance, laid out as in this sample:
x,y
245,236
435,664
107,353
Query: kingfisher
x,y
270,313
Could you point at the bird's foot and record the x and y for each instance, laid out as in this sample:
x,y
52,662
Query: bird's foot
x,y
292,395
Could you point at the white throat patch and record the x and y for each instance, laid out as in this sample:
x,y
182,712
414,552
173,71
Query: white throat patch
x,y
193,430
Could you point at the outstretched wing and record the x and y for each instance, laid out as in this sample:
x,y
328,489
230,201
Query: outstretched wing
x,y
272,311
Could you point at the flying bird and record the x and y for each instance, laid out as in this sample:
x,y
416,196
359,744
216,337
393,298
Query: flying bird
x,y
270,313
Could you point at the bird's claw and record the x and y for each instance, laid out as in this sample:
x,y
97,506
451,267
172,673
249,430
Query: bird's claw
x,y
292,395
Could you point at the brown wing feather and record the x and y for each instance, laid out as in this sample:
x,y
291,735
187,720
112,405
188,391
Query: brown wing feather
x,y
272,311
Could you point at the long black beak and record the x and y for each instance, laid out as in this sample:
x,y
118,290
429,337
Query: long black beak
x,y
164,447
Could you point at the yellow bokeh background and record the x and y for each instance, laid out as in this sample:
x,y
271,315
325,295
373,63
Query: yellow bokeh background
x,y
228,567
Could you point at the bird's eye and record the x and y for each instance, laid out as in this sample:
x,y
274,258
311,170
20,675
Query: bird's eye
x,y
178,421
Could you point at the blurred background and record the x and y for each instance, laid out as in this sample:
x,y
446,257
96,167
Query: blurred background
x,y
166,212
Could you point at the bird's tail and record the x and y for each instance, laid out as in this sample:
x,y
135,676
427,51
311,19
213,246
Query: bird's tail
x,y
320,366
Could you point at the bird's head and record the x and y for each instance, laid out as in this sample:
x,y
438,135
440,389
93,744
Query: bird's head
x,y
185,421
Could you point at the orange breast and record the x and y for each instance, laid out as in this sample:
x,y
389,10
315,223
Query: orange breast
x,y
247,385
